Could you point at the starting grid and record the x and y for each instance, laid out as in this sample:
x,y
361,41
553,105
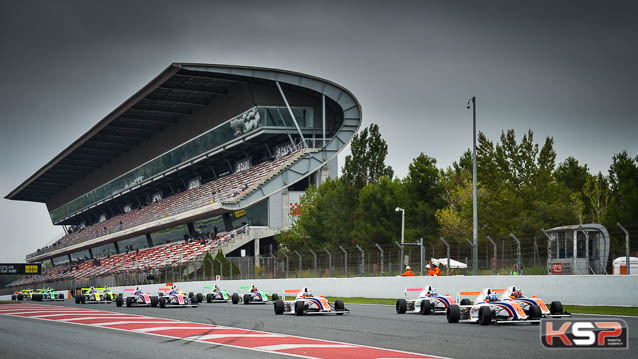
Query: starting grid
x,y
260,341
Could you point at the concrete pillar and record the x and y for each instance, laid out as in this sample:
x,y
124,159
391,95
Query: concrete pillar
x,y
117,247
228,223
91,253
149,240
285,209
256,244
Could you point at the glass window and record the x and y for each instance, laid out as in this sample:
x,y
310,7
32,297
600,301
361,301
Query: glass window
x,y
132,244
169,235
60,260
104,251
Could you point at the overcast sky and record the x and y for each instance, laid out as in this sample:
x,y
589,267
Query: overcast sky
x,y
562,69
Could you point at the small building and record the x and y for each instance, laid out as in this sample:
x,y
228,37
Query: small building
x,y
578,249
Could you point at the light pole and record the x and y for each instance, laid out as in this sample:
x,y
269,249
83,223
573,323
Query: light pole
x,y
474,198
399,209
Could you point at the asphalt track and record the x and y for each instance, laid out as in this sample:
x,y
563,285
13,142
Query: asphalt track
x,y
369,325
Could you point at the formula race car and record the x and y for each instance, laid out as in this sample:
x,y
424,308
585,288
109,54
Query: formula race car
x,y
306,303
23,294
488,309
529,304
137,298
46,294
428,301
216,295
253,296
94,296
172,297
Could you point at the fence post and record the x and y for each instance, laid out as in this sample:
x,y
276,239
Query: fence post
x,y
628,263
447,269
380,250
363,261
314,262
518,253
400,256
580,228
472,246
221,268
421,254
329,260
298,269
287,265
345,261
495,254
549,251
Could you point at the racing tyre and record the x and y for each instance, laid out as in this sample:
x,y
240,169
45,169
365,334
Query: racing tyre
x,y
162,302
556,307
119,301
154,301
453,313
426,307
60,296
246,298
20,296
83,299
129,302
191,295
200,297
161,294
279,307
401,306
274,297
465,301
209,298
299,306
535,312
14,297
107,297
340,307
120,296
78,299
484,315
235,298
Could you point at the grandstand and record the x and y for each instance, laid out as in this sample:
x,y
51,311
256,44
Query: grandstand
x,y
200,155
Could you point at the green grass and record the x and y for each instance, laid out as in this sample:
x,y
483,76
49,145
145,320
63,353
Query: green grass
x,y
609,310
8,302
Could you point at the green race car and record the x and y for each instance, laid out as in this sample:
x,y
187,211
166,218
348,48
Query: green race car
x,y
47,294
95,296
215,295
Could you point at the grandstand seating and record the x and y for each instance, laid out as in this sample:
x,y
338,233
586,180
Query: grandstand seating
x,y
143,260
227,189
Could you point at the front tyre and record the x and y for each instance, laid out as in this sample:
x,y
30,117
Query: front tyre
x,y
299,308
119,301
129,302
279,307
200,298
154,301
247,298
453,313
556,307
340,307
162,302
426,307
274,297
235,298
484,315
401,306
209,298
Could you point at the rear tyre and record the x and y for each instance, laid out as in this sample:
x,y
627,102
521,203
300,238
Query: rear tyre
x,y
279,307
299,306
235,298
191,295
78,299
275,297
200,298
426,307
83,299
401,306
535,312
484,315
107,297
162,302
453,313
246,298
119,301
129,302
154,301
20,296
465,301
209,298
340,307
556,307
14,297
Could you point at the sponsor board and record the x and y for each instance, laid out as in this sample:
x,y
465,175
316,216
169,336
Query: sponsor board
x,y
608,333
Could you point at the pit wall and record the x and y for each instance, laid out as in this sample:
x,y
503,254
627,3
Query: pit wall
x,y
581,290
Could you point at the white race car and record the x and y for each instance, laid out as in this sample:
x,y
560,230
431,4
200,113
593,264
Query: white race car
x,y
488,308
306,303
427,301
516,295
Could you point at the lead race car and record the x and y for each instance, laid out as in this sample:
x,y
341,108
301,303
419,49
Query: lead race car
x,y
306,303
95,296
137,298
175,298
489,309
516,295
254,296
47,294
427,301
215,294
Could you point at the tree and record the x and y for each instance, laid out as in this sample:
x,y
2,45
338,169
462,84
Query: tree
x,y
596,191
424,197
376,218
623,182
366,163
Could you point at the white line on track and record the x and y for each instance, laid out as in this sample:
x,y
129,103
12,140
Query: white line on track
x,y
277,347
157,329
221,336
129,322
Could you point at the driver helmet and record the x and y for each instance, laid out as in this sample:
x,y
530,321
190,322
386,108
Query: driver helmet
x,y
433,291
92,289
492,298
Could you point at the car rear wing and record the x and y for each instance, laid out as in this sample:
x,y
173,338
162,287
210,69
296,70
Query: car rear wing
x,y
411,290
290,293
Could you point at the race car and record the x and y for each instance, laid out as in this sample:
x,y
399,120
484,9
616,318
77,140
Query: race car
x,y
137,298
253,296
428,301
215,295
488,309
173,297
93,296
46,294
306,303
533,305
23,294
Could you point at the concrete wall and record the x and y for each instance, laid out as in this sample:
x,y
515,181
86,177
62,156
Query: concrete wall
x,y
583,290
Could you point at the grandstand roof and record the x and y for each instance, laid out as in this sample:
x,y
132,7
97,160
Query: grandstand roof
x,y
172,95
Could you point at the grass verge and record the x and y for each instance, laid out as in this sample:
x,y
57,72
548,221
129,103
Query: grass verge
x,y
8,302
608,310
